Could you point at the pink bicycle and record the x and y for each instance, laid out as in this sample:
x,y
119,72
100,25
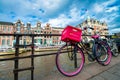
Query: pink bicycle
x,y
70,57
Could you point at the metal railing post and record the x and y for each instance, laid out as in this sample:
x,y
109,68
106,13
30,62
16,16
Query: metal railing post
x,y
32,59
16,62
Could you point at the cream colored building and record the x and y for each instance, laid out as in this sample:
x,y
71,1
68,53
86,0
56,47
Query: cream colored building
x,y
98,27
58,38
47,29
38,30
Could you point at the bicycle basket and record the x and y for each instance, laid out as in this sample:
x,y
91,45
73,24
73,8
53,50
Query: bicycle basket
x,y
71,33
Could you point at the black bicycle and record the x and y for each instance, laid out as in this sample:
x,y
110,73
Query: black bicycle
x,y
70,57
111,42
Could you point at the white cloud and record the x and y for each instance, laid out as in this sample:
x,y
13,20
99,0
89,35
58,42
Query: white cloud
x,y
115,8
98,8
107,13
26,7
50,6
116,30
109,18
108,2
102,7
63,20
24,10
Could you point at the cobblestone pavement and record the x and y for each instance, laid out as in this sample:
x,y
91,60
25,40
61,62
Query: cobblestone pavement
x,y
112,73
92,71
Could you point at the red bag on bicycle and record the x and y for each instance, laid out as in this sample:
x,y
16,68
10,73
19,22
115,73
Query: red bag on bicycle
x,y
71,33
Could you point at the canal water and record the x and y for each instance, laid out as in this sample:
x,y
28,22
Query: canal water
x,y
44,66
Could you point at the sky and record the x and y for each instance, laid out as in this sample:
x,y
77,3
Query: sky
x,y
60,13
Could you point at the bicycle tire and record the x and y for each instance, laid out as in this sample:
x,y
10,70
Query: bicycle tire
x,y
63,57
102,46
114,49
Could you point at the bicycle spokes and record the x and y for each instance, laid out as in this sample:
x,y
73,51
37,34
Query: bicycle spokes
x,y
75,57
70,52
91,57
101,53
72,64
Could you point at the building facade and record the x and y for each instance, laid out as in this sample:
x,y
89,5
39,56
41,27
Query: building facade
x,y
20,28
47,40
6,28
58,38
38,30
27,30
98,27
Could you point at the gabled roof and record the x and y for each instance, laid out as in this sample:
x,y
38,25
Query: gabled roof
x,y
6,23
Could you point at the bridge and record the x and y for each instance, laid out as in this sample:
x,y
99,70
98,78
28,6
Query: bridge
x,y
18,60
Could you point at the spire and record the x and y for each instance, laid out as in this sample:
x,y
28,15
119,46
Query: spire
x,y
88,18
39,24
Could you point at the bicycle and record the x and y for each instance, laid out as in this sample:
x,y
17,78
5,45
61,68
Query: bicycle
x,y
72,65
112,45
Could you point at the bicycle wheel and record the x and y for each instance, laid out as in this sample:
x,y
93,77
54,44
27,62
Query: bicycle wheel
x,y
103,54
114,49
70,66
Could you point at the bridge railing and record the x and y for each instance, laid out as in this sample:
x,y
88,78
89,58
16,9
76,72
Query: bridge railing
x,y
16,56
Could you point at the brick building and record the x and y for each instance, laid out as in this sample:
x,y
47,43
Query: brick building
x,y
19,28
47,40
8,28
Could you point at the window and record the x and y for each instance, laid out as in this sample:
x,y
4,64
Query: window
x,y
41,41
8,29
0,27
3,42
35,41
45,41
8,42
29,28
18,27
4,28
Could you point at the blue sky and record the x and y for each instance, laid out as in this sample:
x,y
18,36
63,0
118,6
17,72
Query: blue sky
x,y
61,12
